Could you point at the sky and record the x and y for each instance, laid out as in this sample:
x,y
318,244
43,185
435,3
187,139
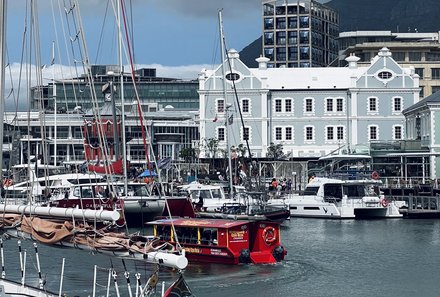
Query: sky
x,y
177,37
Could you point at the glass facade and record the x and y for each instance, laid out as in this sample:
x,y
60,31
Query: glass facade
x,y
151,89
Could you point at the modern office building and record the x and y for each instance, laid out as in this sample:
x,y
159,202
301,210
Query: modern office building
x,y
299,33
420,50
77,92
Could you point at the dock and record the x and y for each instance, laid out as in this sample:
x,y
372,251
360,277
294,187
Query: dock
x,y
418,206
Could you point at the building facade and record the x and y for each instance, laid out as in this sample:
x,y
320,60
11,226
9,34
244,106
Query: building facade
x,y
168,130
299,33
72,93
310,111
419,50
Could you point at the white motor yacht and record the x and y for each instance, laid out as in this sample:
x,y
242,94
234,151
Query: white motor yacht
x,y
339,199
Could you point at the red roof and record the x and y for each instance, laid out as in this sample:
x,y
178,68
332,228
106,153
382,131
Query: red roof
x,y
199,222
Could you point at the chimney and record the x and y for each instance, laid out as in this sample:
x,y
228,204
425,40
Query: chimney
x,y
262,62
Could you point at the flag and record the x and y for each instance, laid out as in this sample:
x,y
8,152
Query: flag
x,y
215,118
179,289
164,163
231,119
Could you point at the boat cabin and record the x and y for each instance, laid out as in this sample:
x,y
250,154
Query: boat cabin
x,y
223,241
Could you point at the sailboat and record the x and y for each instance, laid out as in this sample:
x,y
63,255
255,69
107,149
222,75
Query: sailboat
x,y
95,229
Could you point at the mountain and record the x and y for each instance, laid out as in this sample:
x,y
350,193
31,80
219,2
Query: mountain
x,y
392,15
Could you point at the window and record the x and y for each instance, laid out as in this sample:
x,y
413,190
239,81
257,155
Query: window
x,y
329,135
289,133
246,133
385,75
288,107
278,105
415,56
435,89
419,71
329,104
220,105
309,133
422,91
308,105
339,104
432,57
278,133
397,104
435,73
221,133
245,105
397,133
372,133
340,133
399,56
232,76
372,104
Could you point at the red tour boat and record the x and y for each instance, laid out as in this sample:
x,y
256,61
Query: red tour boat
x,y
223,241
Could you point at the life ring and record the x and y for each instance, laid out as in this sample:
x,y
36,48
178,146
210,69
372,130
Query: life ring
x,y
269,235
375,175
7,182
384,202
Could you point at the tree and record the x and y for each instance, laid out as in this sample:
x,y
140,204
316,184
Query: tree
x,y
211,145
188,154
275,151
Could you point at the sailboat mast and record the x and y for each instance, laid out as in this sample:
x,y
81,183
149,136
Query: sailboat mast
x,y
121,81
227,105
2,73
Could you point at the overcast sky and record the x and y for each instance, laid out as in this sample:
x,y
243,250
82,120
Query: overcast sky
x,y
178,37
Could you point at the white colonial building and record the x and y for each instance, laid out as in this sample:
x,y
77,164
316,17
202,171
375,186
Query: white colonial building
x,y
310,111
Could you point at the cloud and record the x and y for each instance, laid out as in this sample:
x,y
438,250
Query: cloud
x,y
207,9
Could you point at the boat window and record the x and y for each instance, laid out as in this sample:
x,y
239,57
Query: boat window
x,y
76,192
187,234
355,191
216,193
208,236
204,194
333,191
86,193
311,190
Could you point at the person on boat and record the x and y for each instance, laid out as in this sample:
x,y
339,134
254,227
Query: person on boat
x,y
274,183
199,204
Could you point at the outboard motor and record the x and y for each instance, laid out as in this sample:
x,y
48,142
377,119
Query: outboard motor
x,y
245,256
279,252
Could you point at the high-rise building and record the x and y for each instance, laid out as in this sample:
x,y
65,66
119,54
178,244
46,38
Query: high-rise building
x,y
299,33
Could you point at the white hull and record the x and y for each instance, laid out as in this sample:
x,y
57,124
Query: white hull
x,y
150,206
313,207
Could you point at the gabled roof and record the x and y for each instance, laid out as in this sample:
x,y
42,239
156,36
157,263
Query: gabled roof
x,y
434,98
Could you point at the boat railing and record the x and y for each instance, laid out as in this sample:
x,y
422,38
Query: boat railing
x,y
348,174
410,182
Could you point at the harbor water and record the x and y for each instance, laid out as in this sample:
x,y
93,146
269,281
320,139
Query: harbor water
x,y
394,257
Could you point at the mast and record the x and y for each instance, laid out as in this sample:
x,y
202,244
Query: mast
x,y
121,80
227,105
2,74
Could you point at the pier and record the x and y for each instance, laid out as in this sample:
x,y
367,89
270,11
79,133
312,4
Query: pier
x,y
418,206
